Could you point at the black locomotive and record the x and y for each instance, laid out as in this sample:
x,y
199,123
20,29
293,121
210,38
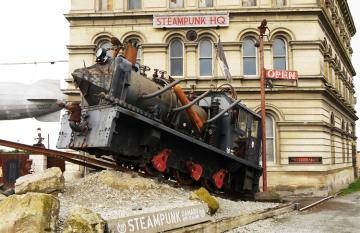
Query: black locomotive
x,y
150,124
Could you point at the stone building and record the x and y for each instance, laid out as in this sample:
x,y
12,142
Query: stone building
x,y
310,122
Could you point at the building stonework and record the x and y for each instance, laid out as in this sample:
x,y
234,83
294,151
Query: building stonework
x,y
311,117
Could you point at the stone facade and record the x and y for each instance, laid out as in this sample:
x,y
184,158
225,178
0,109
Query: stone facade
x,y
312,117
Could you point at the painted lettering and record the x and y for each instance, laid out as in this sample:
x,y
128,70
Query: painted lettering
x,y
156,220
131,225
162,218
292,75
149,223
221,20
142,223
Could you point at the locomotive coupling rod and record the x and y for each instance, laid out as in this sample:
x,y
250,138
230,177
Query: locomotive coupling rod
x,y
159,92
191,103
222,112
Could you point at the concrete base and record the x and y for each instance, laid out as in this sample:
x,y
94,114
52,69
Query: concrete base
x,y
39,162
310,183
73,171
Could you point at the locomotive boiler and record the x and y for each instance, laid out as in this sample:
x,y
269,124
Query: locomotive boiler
x,y
151,125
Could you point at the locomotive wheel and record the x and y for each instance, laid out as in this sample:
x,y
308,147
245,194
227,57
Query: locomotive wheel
x,y
209,185
149,169
182,178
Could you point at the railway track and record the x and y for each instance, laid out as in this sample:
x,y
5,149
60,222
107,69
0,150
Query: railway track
x,y
69,157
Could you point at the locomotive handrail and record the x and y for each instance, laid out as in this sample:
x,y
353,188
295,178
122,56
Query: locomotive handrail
x,y
159,92
222,112
191,103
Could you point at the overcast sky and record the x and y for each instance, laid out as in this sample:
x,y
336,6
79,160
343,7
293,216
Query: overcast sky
x,y
36,30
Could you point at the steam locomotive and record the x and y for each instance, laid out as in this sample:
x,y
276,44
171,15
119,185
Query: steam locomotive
x,y
150,124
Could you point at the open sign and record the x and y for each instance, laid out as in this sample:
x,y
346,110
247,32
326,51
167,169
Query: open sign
x,y
281,74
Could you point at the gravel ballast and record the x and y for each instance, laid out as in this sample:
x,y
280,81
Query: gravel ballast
x,y
114,194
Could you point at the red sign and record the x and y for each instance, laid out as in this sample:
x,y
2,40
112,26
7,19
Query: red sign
x,y
191,20
305,160
281,74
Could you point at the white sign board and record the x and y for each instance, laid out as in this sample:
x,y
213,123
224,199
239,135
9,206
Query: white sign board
x,y
281,74
160,221
191,20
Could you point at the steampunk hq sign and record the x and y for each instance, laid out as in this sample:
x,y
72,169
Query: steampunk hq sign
x,y
219,19
159,221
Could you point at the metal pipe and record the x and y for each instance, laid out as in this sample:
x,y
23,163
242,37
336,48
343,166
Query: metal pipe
x,y
262,30
222,112
159,92
316,203
191,103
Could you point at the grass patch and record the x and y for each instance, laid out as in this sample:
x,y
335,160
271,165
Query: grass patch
x,y
352,188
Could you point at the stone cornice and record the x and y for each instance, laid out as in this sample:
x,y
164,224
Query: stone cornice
x,y
345,11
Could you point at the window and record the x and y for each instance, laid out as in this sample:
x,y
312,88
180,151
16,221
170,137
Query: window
x,y
134,4
270,139
206,51
206,3
105,5
249,2
279,54
280,2
176,4
176,58
249,57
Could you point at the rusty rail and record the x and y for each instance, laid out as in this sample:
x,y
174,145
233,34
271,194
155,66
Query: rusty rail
x,y
70,157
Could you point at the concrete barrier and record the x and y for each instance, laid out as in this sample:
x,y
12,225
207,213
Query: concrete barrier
x,y
229,223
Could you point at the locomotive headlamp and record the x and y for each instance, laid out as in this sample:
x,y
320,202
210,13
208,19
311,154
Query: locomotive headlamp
x,y
101,55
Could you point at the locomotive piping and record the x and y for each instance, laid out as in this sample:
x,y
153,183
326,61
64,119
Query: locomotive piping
x,y
222,112
191,103
159,92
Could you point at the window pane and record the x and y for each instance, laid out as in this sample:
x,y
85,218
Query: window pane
x,y
205,67
279,47
249,2
242,120
205,48
254,128
176,4
269,127
205,3
269,150
134,4
249,48
279,63
176,66
176,49
249,66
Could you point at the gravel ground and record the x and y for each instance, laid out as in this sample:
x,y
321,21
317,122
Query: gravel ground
x,y
115,194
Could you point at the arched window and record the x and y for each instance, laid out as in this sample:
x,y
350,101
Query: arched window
x,y
270,139
249,57
205,57
176,58
279,54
